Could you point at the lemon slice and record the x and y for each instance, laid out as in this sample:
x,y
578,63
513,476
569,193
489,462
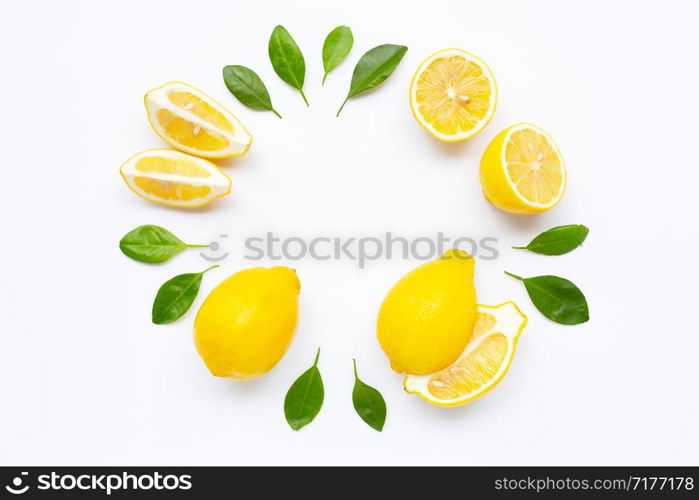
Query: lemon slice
x,y
522,170
193,122
453,95
173,178
483,363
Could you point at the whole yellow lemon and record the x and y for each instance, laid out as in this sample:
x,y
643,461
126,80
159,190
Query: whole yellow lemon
x,y
427,318
246,324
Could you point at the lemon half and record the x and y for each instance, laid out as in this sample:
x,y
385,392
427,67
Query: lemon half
x,y
522,170
453,95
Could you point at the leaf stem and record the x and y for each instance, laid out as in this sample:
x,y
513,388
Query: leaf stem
x,y
315,363
196,246
304,98
520,248
275,112
355,368
209,269
343,105
514,276
324,77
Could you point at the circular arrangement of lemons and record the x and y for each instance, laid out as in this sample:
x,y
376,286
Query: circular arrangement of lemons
x,y
431,328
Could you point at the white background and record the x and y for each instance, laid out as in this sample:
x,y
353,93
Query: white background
x,y
87,379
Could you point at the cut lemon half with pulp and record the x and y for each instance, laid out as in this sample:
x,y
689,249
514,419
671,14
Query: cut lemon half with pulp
x,y
453,95
522,170
483,363
192,122
174,178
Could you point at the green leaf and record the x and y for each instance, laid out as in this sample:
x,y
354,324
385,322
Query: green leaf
x,y
556,298
287,59
176,296
374,67
336,47
368,403
305,397
248,88
152,244
558,240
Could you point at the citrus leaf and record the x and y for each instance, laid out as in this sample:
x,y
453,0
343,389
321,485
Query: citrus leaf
x,y
556,298
305,397
336,47
558,240
368,403
373,68
287,59
152,244
248,88
176,296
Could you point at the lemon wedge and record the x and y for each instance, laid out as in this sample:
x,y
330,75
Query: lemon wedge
x,y
173,178
453,95
522,170
193,122
483,363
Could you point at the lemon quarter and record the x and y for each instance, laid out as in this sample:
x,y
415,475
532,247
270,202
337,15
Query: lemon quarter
x,y
173,178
